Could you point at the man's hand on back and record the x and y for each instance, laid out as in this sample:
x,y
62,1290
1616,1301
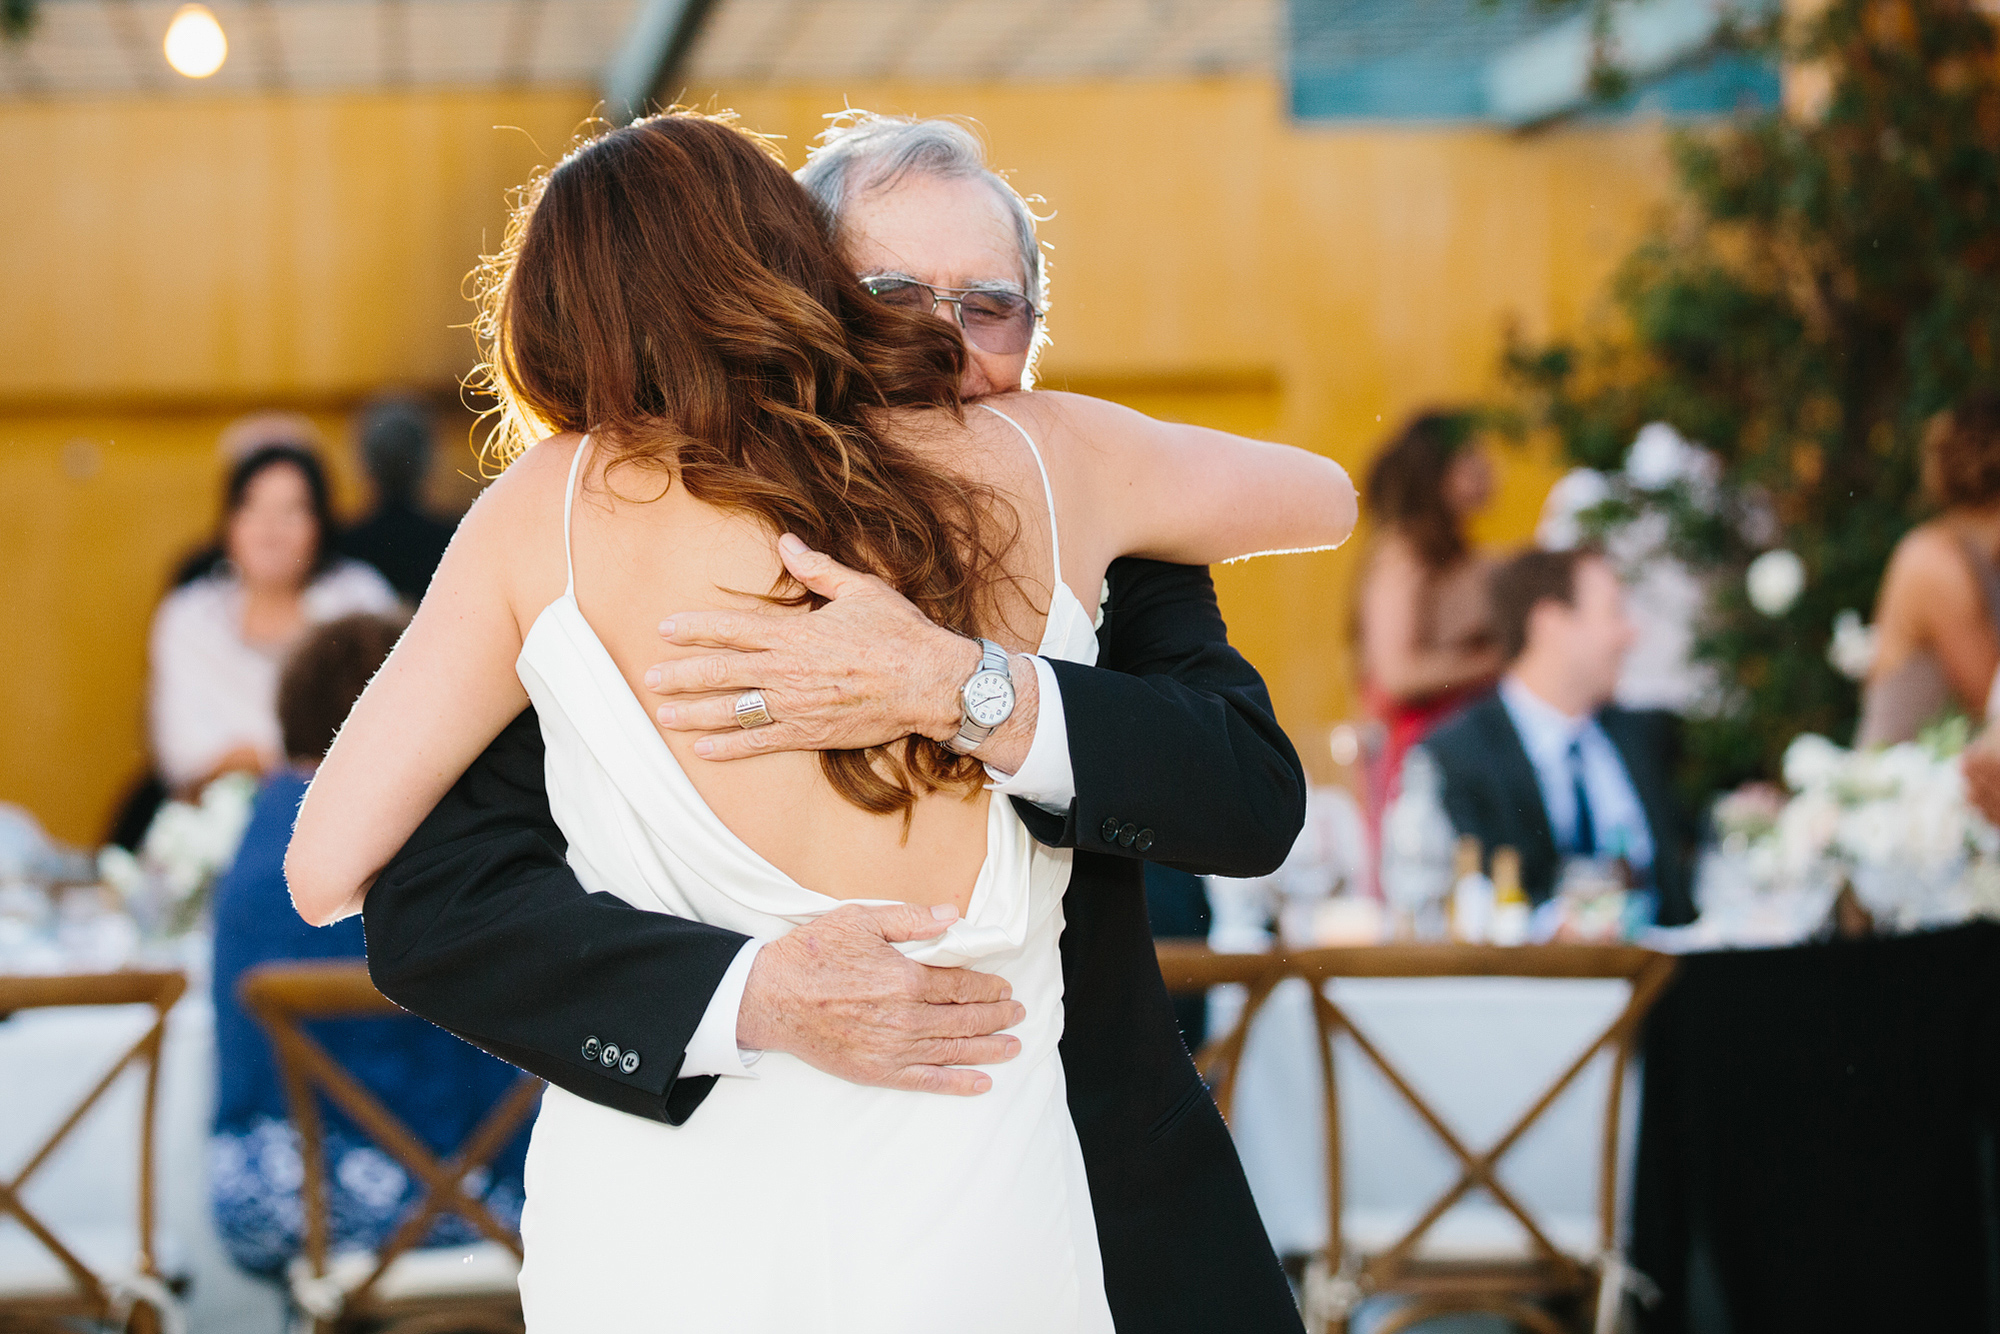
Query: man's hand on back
x,y
866,669
837,994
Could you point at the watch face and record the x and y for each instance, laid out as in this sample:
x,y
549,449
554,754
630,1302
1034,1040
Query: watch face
x,y
989,698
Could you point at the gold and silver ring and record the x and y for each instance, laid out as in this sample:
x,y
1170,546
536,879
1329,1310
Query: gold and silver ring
x,y
750,709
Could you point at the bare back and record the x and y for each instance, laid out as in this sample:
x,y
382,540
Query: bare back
x,y
1937,624
642,548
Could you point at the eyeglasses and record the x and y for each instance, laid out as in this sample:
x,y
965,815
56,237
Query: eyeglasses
x,y
996,321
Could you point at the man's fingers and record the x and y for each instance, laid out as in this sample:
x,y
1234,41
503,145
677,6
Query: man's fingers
x,y
903,921
740,743
967,1021
820,572
699,713
707,673
962,986
743,630
990,1050
941,1079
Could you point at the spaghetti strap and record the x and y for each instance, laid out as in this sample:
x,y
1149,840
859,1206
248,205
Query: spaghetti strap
x,y
569,499
1048,492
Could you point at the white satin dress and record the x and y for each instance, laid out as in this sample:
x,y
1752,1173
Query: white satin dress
x,y
793,1200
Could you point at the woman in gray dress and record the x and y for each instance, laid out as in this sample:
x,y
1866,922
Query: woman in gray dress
x,y
1937,617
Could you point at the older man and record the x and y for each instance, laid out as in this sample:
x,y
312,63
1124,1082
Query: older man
x,y
1169,751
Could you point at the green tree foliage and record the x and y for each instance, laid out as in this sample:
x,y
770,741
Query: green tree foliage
x,y
1825,283
17,18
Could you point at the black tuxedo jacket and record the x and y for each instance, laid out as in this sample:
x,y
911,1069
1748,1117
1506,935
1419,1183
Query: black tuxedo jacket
x,y
1490,792
479,926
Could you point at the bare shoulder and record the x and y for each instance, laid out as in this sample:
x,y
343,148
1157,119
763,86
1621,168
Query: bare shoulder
x,y
1929,563
538,473
1073,421
513,532
962,441
1089,445
1928,584
529,486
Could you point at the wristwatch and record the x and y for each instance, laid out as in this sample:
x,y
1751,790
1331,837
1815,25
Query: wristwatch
x,y
985,701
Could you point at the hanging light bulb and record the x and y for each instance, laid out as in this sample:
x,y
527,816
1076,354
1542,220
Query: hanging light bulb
x,y
195,45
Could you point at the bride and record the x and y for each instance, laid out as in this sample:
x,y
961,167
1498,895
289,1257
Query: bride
x,y
711,378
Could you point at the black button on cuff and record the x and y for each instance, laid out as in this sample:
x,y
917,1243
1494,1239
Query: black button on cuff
x,y
1127,834
1143,843
591,1047
611,1054
630,1065
1110,830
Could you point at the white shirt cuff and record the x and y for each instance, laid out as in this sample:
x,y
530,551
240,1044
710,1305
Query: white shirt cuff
x,y
713,1050
1045,776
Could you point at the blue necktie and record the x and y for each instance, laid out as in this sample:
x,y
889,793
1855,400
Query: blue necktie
x,y
1585,842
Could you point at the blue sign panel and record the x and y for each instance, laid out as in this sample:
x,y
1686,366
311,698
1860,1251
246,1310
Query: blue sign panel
x,y
1514,61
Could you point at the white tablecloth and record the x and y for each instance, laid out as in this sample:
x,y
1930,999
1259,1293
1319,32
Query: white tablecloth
x,y
1479,1050
48,1060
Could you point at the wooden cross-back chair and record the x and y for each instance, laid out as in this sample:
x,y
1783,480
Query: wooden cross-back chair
x,y
123,1290
1510,1286
1190,969
399,1289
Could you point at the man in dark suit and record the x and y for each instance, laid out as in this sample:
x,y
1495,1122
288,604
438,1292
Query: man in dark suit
x,y
1547,764
398,537
1167,751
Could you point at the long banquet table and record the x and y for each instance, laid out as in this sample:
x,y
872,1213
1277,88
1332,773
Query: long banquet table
x,y
1816,1150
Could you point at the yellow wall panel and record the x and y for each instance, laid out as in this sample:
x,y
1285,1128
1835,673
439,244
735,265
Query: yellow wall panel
x,y
256,245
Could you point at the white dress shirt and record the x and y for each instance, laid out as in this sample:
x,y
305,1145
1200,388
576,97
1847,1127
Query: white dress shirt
x,y
210,690
1546,733
1045,778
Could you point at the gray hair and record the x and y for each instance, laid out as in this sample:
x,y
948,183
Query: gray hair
x,y
861,150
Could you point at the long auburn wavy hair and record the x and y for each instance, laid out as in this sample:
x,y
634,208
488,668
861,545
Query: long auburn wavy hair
x,y
670,289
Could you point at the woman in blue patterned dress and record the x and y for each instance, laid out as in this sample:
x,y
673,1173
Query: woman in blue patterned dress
x,y
439,1086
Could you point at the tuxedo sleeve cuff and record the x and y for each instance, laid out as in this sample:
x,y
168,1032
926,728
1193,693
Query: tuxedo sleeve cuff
x,y
713,1050
1046,776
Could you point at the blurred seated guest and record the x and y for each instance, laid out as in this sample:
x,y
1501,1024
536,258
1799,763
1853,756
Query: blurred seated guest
x,y
1425,625
436,1084
1548,765
398,537
1662,595
238,441
218,640
1937,617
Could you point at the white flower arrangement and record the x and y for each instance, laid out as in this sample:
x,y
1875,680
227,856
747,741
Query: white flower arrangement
x,y
187,846
1893,824
1852,648
1774,581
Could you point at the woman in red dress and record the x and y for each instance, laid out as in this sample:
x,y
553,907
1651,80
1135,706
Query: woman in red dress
x,y
1425,621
